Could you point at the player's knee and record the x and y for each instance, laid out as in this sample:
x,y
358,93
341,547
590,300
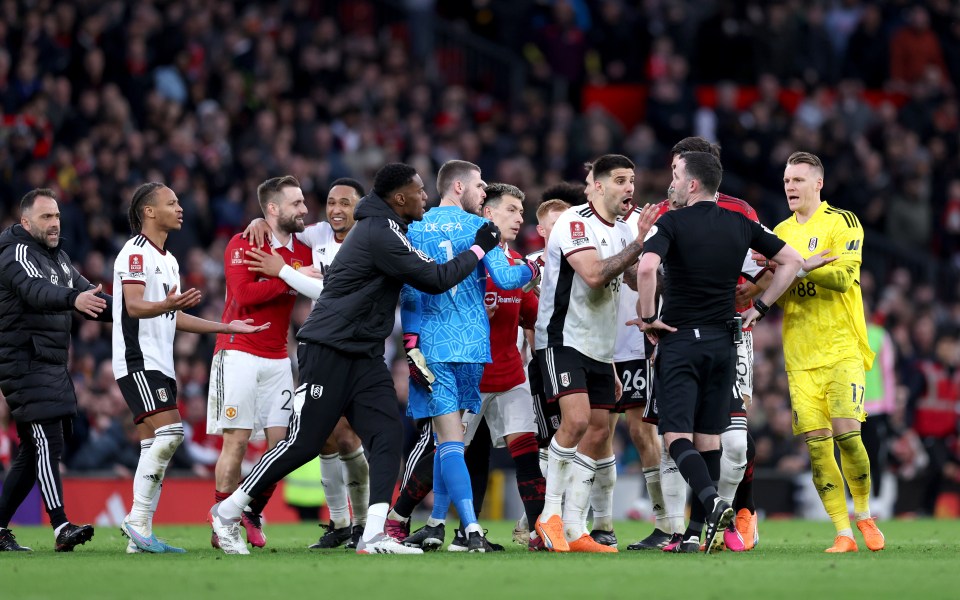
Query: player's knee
x,y
330,447
734,445
166,442
347,441
575,424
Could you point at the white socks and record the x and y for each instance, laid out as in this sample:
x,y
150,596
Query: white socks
x,y
560,461
652,477
733,462
674,490
356,475
544,460
154,458
601,495
583,471
376,519
331,476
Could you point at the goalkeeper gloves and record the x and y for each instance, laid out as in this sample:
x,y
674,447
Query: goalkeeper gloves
x,y
417,362
535,280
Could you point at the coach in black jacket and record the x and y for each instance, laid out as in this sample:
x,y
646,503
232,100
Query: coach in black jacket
x,y
342,369
39,291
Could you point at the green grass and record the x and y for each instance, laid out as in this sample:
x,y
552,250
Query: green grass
x,y
922,560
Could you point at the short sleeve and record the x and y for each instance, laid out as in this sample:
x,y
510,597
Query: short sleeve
x,y
573,234
131,265
763,241
660,236
750,269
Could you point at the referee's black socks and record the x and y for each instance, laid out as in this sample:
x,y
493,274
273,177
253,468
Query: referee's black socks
x,y
701,471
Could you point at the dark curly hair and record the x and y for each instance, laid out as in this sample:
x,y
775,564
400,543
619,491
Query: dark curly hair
x,y
391,177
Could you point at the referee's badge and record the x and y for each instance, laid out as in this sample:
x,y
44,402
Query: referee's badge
x,y
230,412
565,379
812,245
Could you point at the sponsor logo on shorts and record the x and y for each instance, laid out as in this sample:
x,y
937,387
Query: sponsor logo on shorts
x,y
316,391
162,394
230,412
564,379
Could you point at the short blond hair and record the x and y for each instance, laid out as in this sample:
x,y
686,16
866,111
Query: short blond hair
x,y
806,158
550,206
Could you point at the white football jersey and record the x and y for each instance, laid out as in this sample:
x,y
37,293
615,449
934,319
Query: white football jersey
x,y
144,344
322,241
571,314
629,344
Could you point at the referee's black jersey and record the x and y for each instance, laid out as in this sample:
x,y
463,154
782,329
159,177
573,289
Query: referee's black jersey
x,y
702,247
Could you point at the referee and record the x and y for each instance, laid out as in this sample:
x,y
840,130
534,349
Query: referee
x,y
701,247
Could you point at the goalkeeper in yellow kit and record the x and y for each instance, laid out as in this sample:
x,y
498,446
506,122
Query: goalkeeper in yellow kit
x,y
825,348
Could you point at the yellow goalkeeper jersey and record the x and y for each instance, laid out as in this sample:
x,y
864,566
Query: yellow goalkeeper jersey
x,y
823,313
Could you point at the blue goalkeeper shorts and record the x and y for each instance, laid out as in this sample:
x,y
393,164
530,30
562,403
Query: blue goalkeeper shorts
x,y
456,388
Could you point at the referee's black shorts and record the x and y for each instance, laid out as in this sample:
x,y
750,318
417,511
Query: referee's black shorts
x,y
695,374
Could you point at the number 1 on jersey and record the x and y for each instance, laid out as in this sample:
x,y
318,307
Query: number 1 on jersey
x,y
448,246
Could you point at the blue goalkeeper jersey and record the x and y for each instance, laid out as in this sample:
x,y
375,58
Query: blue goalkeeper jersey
x,y
453,326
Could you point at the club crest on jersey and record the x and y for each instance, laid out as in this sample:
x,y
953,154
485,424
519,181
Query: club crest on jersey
x,y
812,245
564,379
316,391
230,412
136,263
236,258
65,268
162,394
577,230
297,264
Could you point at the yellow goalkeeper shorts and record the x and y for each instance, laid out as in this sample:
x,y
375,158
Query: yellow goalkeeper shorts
x,y
833,392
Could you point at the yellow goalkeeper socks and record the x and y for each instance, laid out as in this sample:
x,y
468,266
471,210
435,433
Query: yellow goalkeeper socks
x,y
828,480
856,470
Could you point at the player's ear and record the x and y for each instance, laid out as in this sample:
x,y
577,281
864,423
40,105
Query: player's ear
x,y
819,183
542,231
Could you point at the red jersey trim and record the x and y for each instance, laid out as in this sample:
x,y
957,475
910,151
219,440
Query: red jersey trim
x,y
597,215
124,282
159,249
575,250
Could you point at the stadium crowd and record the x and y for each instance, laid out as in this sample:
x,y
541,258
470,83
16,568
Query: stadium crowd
x,y
214,97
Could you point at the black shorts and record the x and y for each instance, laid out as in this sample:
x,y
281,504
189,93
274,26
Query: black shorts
x,y
148,393
547,413
636,377
566,371
695,374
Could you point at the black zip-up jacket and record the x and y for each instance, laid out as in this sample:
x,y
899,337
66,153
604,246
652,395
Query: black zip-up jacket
x,y
38,286
356,311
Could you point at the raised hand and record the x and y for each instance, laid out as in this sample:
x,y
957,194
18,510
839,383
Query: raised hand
x,y
245,326
268,263
818,260
256,232
488,237
89,303
175,301
648,216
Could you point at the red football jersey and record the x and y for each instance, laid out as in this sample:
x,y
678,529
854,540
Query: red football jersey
x,y
263,299
514,309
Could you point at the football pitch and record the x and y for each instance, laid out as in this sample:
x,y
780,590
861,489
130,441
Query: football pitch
x,y
922,560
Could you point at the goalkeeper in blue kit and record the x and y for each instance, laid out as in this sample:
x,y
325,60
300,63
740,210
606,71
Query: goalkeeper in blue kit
x,y
447,339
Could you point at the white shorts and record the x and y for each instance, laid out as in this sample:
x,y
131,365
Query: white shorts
x,y
745,365
248,392
506,412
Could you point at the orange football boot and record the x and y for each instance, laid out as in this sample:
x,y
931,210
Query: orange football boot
x,y
871,533
843,543
552,534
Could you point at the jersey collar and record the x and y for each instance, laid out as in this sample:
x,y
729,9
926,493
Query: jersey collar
x,y
275,243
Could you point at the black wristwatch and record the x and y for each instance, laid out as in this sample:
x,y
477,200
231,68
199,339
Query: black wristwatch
x,y
761,307
648,320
